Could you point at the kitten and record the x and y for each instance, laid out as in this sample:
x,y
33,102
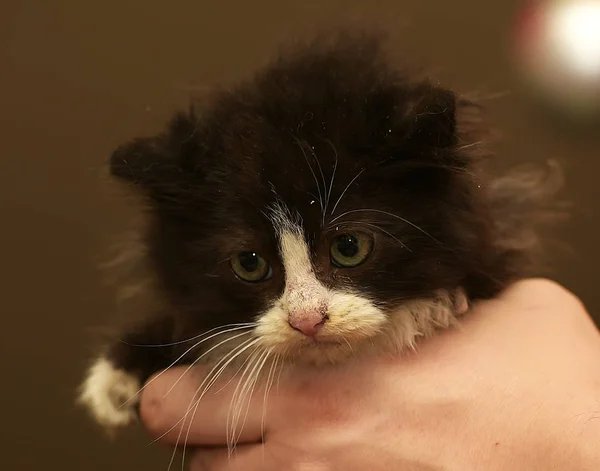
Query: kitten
x,y
330,206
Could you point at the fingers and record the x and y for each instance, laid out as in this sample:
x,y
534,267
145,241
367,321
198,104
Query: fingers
x,y
176,408
252,458
246,458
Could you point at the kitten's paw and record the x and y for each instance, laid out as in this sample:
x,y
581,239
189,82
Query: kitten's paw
x,y
110,394
455,302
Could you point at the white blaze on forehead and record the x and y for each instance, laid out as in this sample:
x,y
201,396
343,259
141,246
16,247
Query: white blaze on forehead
x,y
295,255
303,291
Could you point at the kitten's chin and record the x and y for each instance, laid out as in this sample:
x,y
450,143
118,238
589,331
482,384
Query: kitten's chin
x,y
321,354
325,351
321,350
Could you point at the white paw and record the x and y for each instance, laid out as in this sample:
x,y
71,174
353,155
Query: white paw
x,y
110,394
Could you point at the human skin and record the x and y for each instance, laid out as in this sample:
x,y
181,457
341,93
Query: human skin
x,y
515,387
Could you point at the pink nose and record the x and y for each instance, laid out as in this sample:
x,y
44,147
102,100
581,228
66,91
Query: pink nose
x,y
307,322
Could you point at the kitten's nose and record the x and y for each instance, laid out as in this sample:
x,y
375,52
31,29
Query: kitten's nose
x,y
308,322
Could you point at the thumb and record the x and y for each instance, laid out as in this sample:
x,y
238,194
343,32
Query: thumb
x,y
180,405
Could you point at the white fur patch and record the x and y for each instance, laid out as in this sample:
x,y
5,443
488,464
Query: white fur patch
x,y
109,394
423,317
302,288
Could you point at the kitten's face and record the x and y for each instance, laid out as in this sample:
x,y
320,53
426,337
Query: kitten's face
x,y
315,203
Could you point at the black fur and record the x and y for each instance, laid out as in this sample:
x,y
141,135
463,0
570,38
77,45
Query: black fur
x,y
210,175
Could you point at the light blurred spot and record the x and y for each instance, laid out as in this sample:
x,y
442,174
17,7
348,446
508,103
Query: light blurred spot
x,y
575,32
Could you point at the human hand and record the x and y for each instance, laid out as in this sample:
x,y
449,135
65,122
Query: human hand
x,y
516,387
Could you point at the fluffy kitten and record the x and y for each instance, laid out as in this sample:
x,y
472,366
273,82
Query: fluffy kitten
x,y
329,206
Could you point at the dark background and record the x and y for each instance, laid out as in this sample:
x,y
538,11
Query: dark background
x,y
78,77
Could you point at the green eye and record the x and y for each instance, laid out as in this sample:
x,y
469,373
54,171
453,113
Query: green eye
x,y
251,267
350,250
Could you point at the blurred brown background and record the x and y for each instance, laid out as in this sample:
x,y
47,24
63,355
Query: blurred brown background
x,y
78,77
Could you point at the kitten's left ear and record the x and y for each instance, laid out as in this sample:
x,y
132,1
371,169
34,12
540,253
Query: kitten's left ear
x,y
434,121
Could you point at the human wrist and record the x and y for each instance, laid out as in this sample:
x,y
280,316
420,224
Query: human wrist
x,y
569,441
584,436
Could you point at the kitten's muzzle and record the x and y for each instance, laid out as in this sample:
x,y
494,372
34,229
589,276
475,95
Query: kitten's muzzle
x,y
309,322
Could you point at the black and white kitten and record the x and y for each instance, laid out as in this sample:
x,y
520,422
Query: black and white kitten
x,y
330,206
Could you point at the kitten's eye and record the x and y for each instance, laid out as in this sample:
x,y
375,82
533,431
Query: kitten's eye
x,y
250,266
350,250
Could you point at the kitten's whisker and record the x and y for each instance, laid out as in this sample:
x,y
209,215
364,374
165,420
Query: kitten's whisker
x,y
248,344
195,362
232,412
249,392
235,352
385,232
312,151
254,383
349,346
299,143
343,193
177,442
281,368
222,369
246,363
176,361
389,214
248,387
191,339
240,401
193,404
312,195
236,373
472,144
208,386
270,378
332,180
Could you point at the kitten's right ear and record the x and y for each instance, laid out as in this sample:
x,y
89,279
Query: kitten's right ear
x,y
159,165
134,160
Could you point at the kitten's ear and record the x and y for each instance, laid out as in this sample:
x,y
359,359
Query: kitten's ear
x,y
434,121
159,165
134,161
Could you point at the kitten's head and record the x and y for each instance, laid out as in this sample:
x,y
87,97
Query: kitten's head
x,y
315,200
